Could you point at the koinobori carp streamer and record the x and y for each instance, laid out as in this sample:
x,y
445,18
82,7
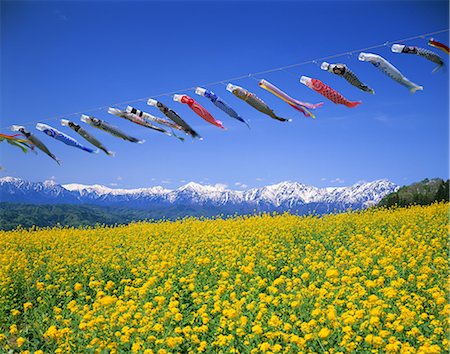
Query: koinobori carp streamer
x,y
152,118
111,129
198,109
35,141
296,104
254,101
328,92
390,70
64,138
219,103
140,121
136,119
343,71
425,53
86,135
173,116
439,45
23,144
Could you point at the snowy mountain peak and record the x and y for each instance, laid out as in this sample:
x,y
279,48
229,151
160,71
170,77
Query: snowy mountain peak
x,y
50,183
10,180
103,190
193,186
97,188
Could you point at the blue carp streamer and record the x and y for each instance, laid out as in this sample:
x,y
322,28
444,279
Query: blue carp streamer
x,y
219,103
64,138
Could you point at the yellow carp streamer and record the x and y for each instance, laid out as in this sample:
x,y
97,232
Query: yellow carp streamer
x,y
23,144
296,104
371,281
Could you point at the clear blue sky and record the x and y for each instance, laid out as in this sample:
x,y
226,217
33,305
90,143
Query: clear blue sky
x,y
64,57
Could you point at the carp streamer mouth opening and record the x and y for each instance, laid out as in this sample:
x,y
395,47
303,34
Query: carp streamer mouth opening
x,y
152,102
305,80
361,57
397,48
325,66
200,91
178,98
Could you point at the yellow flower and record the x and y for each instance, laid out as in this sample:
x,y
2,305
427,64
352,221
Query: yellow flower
x,y
27,306
13,329
374,320
440,300
373,298
20,341
109,285
295,304
202,346
264,346
276,348
374,340
297,340
257,329
332,273
315,312
172,342
324,333
243,320
331,313
274,321
135,347
107,300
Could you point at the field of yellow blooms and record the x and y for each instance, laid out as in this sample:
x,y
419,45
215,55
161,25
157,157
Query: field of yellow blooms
x,y
368,282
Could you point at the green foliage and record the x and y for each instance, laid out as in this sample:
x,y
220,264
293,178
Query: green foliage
x,y
28,215
421,193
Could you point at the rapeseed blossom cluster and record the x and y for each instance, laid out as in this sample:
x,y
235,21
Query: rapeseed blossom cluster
x,y
368,282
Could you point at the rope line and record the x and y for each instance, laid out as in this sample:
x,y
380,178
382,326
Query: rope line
x,y
251,75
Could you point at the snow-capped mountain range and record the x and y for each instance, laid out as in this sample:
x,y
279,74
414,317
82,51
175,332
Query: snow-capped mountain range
x,y
283,196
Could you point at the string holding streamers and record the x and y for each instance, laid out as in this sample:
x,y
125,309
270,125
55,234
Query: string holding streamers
x,y
253,77
288,72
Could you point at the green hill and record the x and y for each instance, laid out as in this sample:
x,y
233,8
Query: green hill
x,y
421,193
27,215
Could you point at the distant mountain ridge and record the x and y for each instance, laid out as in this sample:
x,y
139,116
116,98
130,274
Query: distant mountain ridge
x,y
283,196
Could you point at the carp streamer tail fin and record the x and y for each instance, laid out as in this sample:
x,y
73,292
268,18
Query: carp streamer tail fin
x,y
416,88
353,104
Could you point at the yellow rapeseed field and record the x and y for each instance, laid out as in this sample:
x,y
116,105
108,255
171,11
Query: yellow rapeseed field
x,y
368,282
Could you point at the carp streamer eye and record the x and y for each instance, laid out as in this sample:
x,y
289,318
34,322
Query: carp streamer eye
x,y
337,70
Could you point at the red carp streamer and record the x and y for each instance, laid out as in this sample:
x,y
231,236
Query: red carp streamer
x,y
328,92
199,109
439,45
